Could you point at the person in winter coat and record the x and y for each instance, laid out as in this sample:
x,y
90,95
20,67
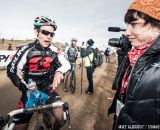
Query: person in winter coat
x,y
88,53
136,102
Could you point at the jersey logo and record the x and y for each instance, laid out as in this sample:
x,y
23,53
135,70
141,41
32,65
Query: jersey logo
x,y
38,64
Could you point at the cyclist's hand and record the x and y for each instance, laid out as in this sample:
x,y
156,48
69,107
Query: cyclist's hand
x,y
31,85
57,79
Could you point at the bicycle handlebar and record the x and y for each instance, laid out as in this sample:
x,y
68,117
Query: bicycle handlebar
x,y
37,108
6,118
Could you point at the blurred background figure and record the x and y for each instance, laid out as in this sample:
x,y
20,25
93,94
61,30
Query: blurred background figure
x,y
107,55
71,54
2,40
9,47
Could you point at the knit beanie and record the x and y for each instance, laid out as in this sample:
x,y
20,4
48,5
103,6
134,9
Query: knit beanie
x,y
149,7
90,42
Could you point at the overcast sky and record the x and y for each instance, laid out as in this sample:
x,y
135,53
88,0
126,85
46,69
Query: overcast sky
x,y
83,19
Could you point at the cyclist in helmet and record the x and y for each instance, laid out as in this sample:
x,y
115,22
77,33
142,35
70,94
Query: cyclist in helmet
x,y
71,54
40,64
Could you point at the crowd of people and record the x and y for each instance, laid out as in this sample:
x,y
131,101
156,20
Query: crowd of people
x,y
136,100
36,61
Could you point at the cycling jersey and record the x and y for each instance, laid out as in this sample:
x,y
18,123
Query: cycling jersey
x,y
34,62
72,54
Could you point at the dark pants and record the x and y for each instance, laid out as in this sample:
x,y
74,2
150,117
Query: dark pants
x,y
90,71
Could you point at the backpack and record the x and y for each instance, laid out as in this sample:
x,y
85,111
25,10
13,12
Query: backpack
x,y
97,58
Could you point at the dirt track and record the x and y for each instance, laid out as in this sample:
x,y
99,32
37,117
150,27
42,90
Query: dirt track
x,y
88,112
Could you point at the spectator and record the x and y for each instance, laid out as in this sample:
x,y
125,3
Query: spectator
x,y
3,40
137,79
71,54
88,54
107,55
9,47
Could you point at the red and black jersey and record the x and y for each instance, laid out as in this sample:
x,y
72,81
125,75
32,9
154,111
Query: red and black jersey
x,y
41,62
34,62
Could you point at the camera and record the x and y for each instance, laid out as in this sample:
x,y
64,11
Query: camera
x,y
122,42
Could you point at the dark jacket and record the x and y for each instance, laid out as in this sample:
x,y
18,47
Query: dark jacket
x,y
107,52
142,102
88,54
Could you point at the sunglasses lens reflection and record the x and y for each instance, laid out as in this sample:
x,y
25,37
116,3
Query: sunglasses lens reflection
x,y
47,33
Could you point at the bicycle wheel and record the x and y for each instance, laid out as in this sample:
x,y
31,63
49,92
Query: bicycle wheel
x,y
73,82
43,120
40,126
48,120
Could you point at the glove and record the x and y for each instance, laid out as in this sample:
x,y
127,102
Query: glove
x,y
22,87
25,87
35,97
31,85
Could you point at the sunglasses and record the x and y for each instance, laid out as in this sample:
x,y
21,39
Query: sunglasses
x,y
47,33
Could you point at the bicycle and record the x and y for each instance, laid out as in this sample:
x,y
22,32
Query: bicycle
x,y
44,123
72,78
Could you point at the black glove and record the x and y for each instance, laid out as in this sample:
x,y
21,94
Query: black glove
x,y
22,87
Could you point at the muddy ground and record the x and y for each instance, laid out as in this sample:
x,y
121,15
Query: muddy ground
x,y
88,112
